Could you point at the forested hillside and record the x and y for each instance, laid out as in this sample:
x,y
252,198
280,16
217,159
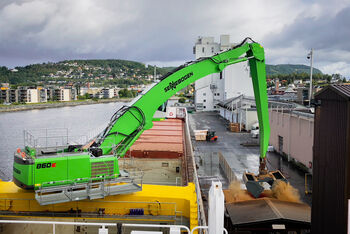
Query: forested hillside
x,y
283,69
115,72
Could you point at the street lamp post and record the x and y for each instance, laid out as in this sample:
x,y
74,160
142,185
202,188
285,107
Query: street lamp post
x,y
311,57
155,73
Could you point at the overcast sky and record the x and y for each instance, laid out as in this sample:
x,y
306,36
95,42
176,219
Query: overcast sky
x,y
164,32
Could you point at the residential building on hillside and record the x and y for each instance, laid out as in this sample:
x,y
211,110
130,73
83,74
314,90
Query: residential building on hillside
x,y
32,96
67,95
62,94
23,95
231,82
42,95
13,95
93,91
108,93
4,94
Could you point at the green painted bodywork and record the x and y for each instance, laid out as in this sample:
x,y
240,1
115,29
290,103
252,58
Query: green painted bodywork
x,y
23,173
123,131
160,93
63,170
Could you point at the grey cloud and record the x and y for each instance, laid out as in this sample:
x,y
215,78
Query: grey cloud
x,y
325,32
53,30
328,34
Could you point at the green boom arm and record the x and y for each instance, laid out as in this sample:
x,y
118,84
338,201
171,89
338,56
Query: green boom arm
x,y
129,122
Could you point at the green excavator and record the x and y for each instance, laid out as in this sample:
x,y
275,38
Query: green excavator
x,y
75,172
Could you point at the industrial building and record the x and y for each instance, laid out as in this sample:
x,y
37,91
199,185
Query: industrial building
x,y
292,126
292,133
215,88
240,109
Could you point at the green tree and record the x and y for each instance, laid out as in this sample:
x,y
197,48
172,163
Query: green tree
x,y
85,96
125,93
182,100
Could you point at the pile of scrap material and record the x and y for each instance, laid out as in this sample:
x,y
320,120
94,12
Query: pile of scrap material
x,y
279,206
280,190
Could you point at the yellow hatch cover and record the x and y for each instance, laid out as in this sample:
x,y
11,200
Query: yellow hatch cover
x,y
153,199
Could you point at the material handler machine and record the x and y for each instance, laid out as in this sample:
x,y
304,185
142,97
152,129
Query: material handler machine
x,y
90,171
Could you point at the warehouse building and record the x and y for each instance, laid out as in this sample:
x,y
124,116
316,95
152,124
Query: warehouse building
x,y
240,109
292,133
292,126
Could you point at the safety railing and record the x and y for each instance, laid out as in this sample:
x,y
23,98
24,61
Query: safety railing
x,y
107,209
56,138
83,188
201,213
205,228
133,175
103,227
175,229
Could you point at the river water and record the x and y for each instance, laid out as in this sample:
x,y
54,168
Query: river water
x,y
82,120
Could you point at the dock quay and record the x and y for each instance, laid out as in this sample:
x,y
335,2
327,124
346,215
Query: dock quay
x,y
226,160
229,156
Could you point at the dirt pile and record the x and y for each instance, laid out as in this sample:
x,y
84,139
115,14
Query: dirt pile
x,y
236,193
280,190
285,192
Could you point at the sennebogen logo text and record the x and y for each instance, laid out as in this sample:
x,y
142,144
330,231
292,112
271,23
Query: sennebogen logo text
x,y
172,85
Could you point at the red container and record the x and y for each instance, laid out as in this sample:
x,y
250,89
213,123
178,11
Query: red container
x,y
164,140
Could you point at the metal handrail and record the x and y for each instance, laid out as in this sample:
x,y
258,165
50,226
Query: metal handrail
x,y
156,226
137,175
201,213
54,223
206,227
104,225
170,207
86,183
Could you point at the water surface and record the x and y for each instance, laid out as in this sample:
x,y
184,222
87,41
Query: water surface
x,y
81,120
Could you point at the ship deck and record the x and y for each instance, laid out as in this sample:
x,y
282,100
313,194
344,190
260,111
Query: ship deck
x,y
168,196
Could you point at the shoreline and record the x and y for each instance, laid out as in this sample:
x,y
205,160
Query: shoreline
x,y
25,107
